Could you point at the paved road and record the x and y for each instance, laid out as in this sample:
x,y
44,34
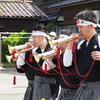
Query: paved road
x,y
8,91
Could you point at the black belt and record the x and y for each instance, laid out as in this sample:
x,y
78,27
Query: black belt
x,y
45,80
30,81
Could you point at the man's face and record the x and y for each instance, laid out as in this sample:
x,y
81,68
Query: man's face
x,y
85,31
37,40
52,37
63,47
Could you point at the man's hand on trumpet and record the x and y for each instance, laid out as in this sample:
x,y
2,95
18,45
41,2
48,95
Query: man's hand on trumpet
x,y
71,42
30,43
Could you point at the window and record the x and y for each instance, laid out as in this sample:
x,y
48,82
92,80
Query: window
x,y
72,28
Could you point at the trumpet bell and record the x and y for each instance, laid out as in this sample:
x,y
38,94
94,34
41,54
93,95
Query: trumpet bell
x,y
9,58
45,55
10,48
37,56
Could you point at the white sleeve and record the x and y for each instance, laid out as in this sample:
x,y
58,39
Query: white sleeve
x,y
67,58
50,65
20,62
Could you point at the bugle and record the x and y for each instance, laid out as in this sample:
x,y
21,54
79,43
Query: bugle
x,y
9,58
17,50
20,48
62,40
45,55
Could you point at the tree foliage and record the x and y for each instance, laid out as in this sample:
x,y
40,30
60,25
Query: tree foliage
x,y
12,42
48,26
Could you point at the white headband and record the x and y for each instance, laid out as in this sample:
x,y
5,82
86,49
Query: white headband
x,y
86,23
30,39
63,36
40,33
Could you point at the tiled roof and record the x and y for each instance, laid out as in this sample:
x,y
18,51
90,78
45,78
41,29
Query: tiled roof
x,y
67,2
19,0
50,17
20,9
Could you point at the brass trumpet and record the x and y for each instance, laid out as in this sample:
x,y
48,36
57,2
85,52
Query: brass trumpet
x,y
53,52
9,58
20,48
45,55
62,40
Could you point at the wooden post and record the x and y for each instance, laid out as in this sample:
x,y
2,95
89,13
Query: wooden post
x,y
1,68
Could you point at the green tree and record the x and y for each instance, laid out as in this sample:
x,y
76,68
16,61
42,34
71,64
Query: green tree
x,y
48,25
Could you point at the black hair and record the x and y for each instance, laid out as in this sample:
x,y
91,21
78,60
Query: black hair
x,y
66,32
87,15
40,27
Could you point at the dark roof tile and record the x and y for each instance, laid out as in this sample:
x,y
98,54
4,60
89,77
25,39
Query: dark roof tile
x,y
50,17
67,2
20,9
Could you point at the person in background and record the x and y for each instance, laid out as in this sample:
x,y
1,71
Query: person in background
x,y
67,91
88,67
52,35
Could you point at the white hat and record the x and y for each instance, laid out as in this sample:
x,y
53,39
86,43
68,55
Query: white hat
x,y
52,33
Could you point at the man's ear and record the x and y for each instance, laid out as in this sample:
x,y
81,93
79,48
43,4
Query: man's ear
x,y
91,26
43,36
